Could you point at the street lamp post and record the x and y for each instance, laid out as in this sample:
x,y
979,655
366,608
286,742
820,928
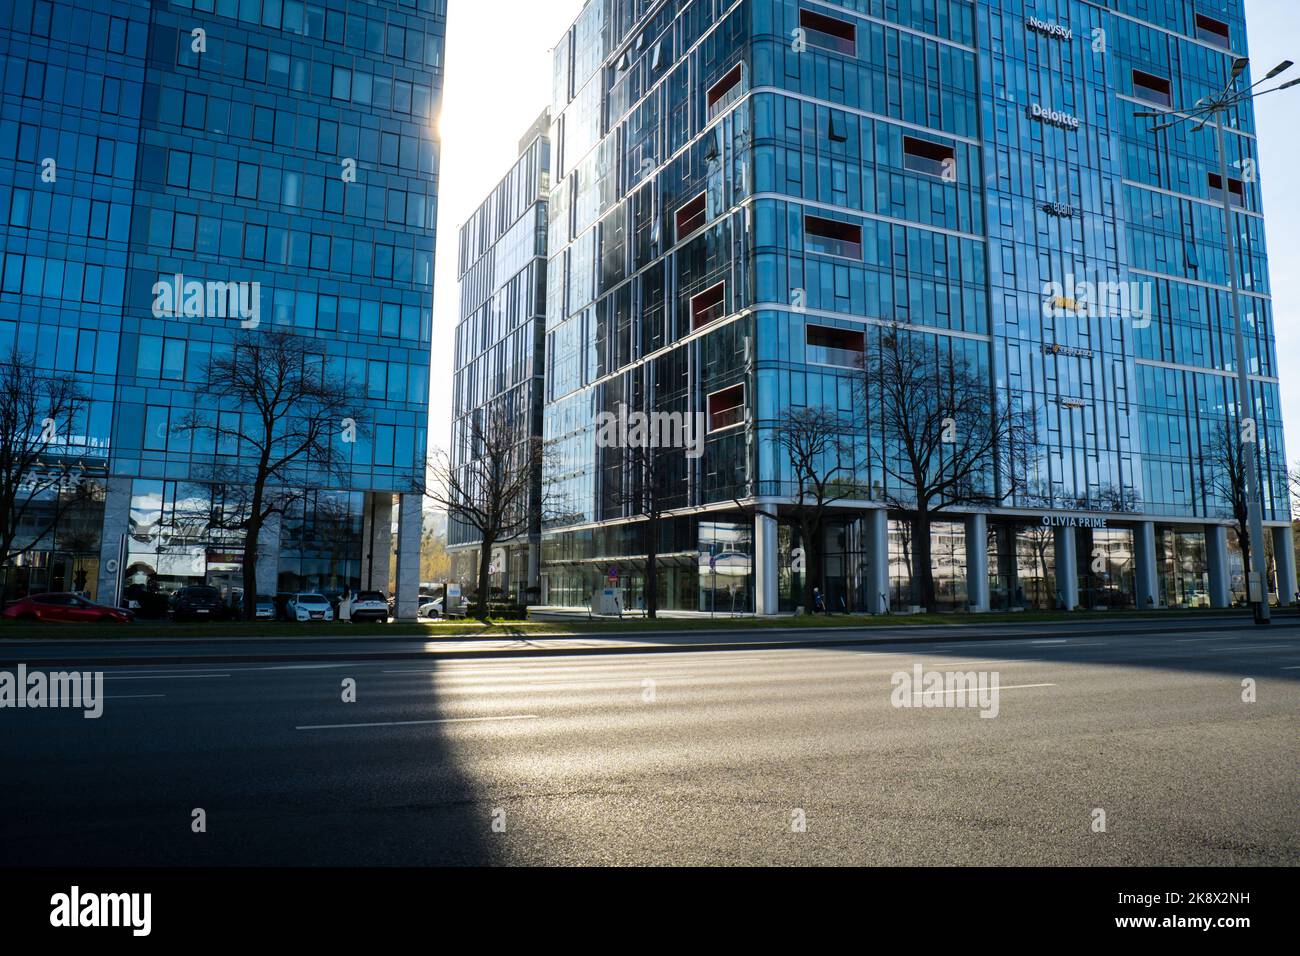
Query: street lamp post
x,y
1217,109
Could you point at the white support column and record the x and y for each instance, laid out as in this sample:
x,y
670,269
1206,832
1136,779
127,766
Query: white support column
x,y
268,558
377,541
977,563
766,562
117,523
1284,559
1144,560
1216,553
877,576
1067,569
410,527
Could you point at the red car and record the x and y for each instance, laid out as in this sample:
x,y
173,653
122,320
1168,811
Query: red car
x,y
64,609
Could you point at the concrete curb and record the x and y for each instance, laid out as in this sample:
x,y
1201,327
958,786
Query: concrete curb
x,y
624,647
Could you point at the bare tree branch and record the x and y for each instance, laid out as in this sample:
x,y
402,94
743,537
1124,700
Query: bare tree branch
x,y
37,415
492,485
278,429
948,441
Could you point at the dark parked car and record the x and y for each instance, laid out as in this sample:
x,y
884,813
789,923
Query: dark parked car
x,y
64,608
265,607
144,602
197,604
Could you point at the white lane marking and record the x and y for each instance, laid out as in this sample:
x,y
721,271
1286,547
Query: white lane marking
x,y
169,673
1028,660
544,679
413,723
163,676
963,690
1248,647
1295,668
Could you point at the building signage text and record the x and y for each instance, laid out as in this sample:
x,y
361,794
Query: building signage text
x,y
1073,521
1056,31
1054,117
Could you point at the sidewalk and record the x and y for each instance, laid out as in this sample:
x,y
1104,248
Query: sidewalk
x,y
218,650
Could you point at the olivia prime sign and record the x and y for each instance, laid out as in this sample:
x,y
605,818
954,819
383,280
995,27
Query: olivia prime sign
x,y
1074,521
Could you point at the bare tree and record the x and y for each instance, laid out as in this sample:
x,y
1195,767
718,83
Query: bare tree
x,y
647,483
38,482
278,426
817,444
493,485
1225,458
1293,487
948,441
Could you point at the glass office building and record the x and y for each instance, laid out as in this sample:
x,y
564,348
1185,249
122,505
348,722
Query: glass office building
x,y
748,195
499,354
285,143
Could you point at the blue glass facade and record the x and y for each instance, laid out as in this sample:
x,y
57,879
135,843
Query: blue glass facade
x,y
749,194
279,142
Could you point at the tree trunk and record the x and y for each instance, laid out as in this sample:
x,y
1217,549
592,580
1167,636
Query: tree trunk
x,y
922,564
484,579
812,563
652,569
1243,539
252,538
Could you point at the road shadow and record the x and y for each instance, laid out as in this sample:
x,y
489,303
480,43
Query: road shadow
x,y
218,773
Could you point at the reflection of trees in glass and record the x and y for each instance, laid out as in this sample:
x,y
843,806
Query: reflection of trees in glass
x,y
949,441
79,530
278,423
39,481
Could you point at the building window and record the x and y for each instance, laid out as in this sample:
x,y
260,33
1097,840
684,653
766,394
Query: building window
x,y
836,128
709,306
1213,31
933,159
727,408
726,91
1153,89
829,33
1235,187
830,238
690,216
841,347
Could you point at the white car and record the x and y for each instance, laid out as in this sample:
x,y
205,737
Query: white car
x,y
431,608
370,606
310,607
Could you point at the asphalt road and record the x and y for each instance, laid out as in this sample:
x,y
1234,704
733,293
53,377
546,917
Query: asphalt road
x,y
677,757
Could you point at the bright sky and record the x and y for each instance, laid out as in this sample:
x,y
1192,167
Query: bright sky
x,y
1274,37
499,79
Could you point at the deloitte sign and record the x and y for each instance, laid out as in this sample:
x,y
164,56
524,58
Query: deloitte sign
x,y
1054,117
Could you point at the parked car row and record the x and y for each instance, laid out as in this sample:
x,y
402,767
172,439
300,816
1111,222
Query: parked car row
x,y
204,603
